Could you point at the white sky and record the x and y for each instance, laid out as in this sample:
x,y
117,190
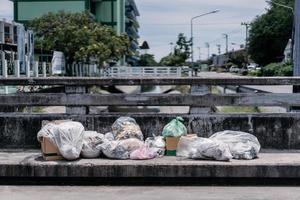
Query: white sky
x,y
162,20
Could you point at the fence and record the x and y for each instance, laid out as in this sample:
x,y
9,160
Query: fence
x,y
13,69
144,72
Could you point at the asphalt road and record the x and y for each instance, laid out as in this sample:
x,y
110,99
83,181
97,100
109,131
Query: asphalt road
x,y
145,193
268,88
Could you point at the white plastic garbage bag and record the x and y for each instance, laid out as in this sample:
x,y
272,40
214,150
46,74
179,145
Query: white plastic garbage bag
x,y
210,149
120,149
91,139
186,145
144,153
109,136
67,136
126,127
157,143
203,148
242,145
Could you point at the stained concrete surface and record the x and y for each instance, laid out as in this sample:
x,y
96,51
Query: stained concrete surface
x,y
268,165
148,193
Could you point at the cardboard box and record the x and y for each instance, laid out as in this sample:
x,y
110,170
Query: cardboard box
x,y
49,151
171,145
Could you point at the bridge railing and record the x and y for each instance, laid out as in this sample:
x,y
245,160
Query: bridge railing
x,y
77,97
144,72
274,130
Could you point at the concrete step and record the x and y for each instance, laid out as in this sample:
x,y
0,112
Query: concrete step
x,y
29,164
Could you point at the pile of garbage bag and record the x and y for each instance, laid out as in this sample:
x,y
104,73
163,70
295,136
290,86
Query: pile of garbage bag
x,y
126,141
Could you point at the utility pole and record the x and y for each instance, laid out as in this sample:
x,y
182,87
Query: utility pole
x,y
219,49
247,25
296,60
171,47
226,37
199,48
208,50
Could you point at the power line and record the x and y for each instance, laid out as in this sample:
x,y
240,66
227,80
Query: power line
x,y
202,24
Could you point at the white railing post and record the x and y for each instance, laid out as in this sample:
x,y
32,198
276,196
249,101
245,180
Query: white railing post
x,y
17,68
4,69
36,69
5,75
28,68
44,66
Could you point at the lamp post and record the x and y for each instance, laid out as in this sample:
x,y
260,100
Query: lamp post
x,y
281,5
192,29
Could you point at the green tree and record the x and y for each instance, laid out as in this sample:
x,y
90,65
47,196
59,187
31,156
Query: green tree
x,y
238,58
181,53
79,37
147,60
270,33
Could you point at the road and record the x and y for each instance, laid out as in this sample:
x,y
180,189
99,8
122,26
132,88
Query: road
x,y
273,89
147,193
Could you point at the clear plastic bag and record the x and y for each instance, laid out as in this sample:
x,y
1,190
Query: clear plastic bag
x,y
186,145
67,136
175,128
126,127
157,143
91,139
109,136
242,145
203,148
144,153
120,149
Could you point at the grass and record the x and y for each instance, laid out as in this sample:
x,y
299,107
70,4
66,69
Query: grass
x,y
239,109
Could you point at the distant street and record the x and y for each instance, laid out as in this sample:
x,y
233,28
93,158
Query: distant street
x,y
273,89
148,193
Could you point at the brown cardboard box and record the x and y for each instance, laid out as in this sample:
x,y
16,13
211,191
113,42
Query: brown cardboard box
x,y
49,150
172,142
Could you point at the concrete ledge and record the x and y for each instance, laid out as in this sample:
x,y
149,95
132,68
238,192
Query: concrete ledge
x,y
274,131
30,164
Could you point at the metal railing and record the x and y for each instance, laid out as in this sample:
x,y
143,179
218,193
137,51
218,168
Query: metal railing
x,y
144,72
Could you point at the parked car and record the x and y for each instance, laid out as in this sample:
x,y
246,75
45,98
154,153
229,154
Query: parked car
x,y
252,67
234,69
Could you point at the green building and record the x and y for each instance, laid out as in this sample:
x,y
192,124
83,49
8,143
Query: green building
x,y
119,14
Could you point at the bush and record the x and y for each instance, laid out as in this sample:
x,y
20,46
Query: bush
x,y
257,73
278,69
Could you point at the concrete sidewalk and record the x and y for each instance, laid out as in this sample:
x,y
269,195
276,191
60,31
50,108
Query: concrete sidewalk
x,y
148,193
268,165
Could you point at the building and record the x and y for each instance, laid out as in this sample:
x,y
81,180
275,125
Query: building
x,y
119,14
288,52
15,44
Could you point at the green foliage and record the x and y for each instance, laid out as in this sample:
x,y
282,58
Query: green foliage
x,y
257,73
79,37
270,33
147,60
238,58
181,53
278,69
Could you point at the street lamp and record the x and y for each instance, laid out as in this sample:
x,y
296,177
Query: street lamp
x,y
192,29
281,5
